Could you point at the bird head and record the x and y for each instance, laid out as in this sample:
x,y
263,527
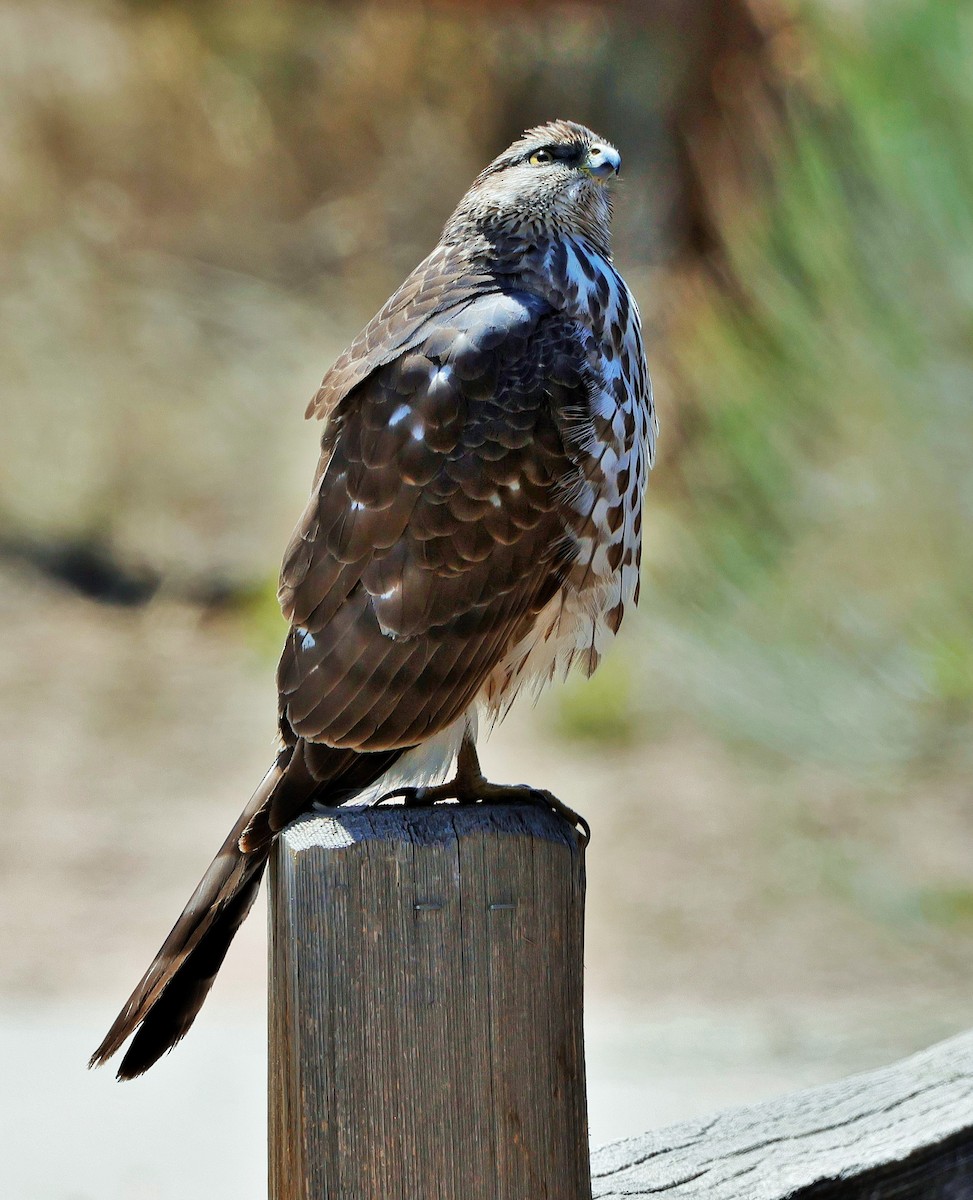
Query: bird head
x,y
551,181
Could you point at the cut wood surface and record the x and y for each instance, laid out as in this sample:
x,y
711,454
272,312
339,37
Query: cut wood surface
x,y
425,1007
903,1132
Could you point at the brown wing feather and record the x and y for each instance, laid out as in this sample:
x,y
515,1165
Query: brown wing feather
x,y
436,531
446,280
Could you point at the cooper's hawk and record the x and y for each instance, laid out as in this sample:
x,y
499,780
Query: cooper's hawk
x,y
474,528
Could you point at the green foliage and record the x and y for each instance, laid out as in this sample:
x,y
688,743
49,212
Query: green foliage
x,y
262,621
816,596
599,709
949,907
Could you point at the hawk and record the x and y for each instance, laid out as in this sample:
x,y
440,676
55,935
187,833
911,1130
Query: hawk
x,y
474,529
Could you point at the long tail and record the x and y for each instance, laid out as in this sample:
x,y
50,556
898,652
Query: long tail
x,y
171,992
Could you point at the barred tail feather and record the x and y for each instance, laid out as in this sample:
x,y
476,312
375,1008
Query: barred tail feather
x,y
169,1018
171,992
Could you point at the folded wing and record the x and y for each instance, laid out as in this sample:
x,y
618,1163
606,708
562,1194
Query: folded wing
x,y
436,530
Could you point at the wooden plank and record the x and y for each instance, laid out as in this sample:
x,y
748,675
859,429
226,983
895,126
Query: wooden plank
x,y
425,1007
904,1132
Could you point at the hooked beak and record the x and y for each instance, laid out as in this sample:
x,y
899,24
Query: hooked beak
x,y
602,163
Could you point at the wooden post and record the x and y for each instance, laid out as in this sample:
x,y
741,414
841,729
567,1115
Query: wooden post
x,y
426,1007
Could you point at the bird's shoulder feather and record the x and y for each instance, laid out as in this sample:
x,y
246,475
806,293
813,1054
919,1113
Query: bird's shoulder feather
x,y
445,280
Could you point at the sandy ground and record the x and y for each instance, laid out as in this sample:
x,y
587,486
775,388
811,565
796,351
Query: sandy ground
x,y
750,929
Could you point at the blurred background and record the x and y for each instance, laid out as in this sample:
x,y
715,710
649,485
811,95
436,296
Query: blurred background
x,y
201,204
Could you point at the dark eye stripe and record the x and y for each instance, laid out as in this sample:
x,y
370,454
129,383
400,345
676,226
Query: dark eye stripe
x,y
571,153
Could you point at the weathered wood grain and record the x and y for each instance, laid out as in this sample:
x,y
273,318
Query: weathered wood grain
x,y
425,1007
901,1133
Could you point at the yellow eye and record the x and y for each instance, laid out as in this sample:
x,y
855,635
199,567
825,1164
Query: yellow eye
x,y
540,157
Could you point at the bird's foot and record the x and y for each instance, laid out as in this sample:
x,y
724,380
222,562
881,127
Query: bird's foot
x,y
478,790
525,793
